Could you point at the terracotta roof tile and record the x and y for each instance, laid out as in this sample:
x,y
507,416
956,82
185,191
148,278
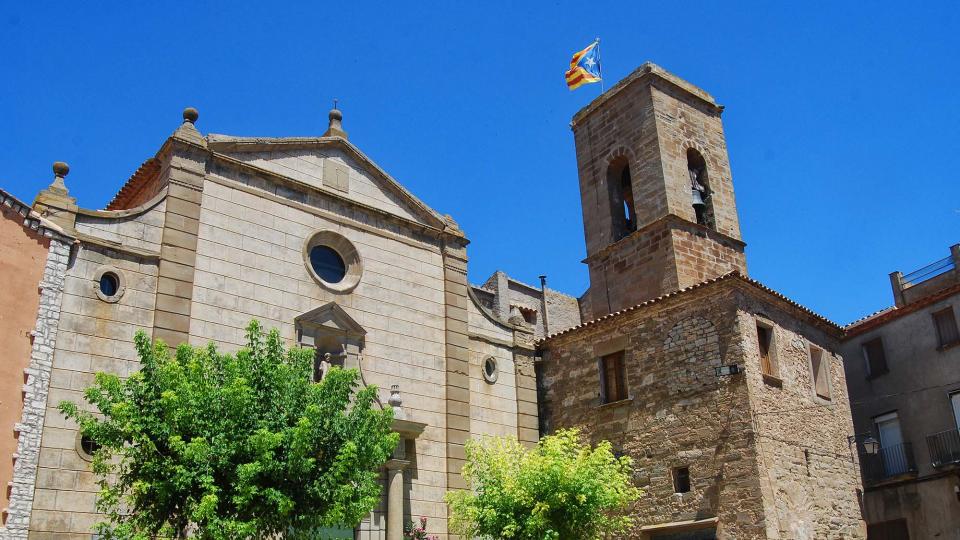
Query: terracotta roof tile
x,y
730,275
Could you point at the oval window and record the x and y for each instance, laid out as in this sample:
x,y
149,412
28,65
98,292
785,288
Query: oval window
x,y
109,284
490,370
328,264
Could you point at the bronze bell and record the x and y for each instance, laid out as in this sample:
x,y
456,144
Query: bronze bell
x,y
698,198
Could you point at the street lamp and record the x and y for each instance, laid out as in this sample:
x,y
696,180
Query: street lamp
x,y
870,445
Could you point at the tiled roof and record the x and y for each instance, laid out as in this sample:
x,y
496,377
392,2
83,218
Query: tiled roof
x,y
146,172
886,315
871,316
728,276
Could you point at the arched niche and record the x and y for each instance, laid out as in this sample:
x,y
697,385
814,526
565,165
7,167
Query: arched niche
x,y
335,336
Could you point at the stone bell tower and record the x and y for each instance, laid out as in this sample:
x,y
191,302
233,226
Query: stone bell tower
x,y
658,206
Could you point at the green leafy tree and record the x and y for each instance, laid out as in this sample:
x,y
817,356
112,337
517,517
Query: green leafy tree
x,y
560,489
227,446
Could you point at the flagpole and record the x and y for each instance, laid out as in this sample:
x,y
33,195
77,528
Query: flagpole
x,y
599,65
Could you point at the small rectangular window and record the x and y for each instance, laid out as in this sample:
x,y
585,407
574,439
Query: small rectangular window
x,y
768,362
875,357
613,377
946,327
681,480
529,315
821,372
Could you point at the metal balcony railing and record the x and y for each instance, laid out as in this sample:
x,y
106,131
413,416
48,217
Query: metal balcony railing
x,y
931,270
887,463
944,448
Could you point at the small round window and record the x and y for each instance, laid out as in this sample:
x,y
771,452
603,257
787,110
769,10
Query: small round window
x,y
332,260
108,283
490,369
328,264
86,446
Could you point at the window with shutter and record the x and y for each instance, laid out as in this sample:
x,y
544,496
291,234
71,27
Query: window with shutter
x,y
821,372
875,357
764,339
946,325
613,375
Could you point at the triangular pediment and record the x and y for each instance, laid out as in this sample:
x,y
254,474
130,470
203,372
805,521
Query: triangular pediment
x,y
333,318
331,165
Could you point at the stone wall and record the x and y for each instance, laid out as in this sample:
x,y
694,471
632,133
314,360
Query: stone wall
x,y
25,462
23,259
505,297
680,414
250,264
652,119
688,122
808,469
767,458
493,405
95,334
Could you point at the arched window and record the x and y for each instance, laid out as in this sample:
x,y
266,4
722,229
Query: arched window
x,y
700,189
620,187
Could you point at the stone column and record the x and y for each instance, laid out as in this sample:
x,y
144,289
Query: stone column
x,y
395,469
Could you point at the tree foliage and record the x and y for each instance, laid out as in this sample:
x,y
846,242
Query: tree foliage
x,y
560,489
233,446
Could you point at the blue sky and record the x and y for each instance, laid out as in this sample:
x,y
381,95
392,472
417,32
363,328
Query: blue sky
x,y
841,118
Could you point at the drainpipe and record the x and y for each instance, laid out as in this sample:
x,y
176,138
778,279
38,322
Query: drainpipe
x,y
543,298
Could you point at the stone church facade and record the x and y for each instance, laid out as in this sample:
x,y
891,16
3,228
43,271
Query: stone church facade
x,y
730,397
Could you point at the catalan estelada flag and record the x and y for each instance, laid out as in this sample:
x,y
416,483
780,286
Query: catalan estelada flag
x,y
584,67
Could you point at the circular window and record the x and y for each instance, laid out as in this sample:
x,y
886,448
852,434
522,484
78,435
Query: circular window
x,y
332,260
86,446
490,369
109,284
328,264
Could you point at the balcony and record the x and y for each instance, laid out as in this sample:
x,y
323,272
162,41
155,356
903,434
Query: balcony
x,y
888,463
932,278
944,448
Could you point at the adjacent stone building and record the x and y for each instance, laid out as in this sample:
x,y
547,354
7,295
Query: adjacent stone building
x,y
903,371
729,397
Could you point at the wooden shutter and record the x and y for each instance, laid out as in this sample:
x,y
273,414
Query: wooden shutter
x,y
821,381
763,340
612,375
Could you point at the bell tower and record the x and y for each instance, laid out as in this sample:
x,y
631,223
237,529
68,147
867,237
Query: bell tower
x,y
658,208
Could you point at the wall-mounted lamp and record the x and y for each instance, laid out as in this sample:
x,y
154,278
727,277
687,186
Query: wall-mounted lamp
x,y
870,445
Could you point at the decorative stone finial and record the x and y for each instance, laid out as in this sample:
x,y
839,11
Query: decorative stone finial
x,y
60,169
190,115
335,128
58,187
55,202
395,401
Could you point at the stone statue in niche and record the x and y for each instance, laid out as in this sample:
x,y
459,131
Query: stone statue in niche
x,y
324,361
